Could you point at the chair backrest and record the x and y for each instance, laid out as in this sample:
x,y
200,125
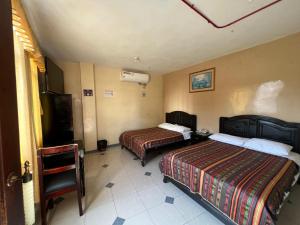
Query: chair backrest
x,y
58,159
56,175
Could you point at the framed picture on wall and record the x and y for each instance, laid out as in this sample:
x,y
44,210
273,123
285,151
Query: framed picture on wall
x,y
202,80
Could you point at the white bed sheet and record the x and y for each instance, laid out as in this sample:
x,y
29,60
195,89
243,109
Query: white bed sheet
x,y
294,157
186,135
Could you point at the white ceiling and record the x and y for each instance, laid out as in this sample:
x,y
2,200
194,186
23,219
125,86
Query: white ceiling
x,y
165,34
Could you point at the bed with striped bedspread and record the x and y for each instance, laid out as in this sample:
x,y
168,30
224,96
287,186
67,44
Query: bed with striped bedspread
x,y
247,186
138,141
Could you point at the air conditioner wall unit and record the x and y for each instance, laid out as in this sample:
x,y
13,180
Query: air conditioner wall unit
x,y
141,78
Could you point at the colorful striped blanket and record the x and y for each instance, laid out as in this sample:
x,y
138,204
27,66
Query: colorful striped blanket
x,y
139,141
246,185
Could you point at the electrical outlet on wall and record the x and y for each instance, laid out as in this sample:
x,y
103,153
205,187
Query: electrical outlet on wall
x,y
87,92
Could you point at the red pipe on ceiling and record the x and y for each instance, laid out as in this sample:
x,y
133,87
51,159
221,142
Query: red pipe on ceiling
x,y
192,6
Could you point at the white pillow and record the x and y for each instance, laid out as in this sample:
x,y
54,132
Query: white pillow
x,y
267,146
229,139
174,127
167,126
181,129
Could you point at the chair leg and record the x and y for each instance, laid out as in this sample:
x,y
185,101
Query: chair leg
x,y
43,212
79,199
82,185
82,177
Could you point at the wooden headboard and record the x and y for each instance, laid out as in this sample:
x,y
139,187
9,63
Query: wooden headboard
x,y
253,126
183,119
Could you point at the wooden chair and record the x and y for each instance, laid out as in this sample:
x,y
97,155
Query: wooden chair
x,y
60,177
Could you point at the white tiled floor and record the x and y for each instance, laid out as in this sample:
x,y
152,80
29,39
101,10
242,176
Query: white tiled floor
x,y
137,198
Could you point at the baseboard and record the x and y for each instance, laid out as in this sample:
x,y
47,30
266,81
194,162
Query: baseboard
x,y
109,146
113,145
91,152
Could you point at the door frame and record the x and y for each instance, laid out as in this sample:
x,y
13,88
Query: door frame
x,y
11,198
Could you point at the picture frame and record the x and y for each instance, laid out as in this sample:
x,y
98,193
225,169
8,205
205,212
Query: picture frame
x,y
203,80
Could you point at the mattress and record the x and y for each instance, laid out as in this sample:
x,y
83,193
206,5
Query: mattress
x,y
139,141
247,186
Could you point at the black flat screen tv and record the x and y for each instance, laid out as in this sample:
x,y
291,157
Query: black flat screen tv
x,y
53,79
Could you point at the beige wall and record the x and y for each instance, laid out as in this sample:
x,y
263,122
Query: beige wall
x,y
89,106
263,80
73,86
127,109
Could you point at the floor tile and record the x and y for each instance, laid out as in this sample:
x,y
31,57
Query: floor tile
x,y
141,182
67,208
104,214
289,210
189,209
140,219
165,214
119,221
122,190
118,176
157,178
98,197
129,206
169,200
152,197
205,219
67,220
170,189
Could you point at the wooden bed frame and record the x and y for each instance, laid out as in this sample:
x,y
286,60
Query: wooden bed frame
x,y
183,119
175,117
250,126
